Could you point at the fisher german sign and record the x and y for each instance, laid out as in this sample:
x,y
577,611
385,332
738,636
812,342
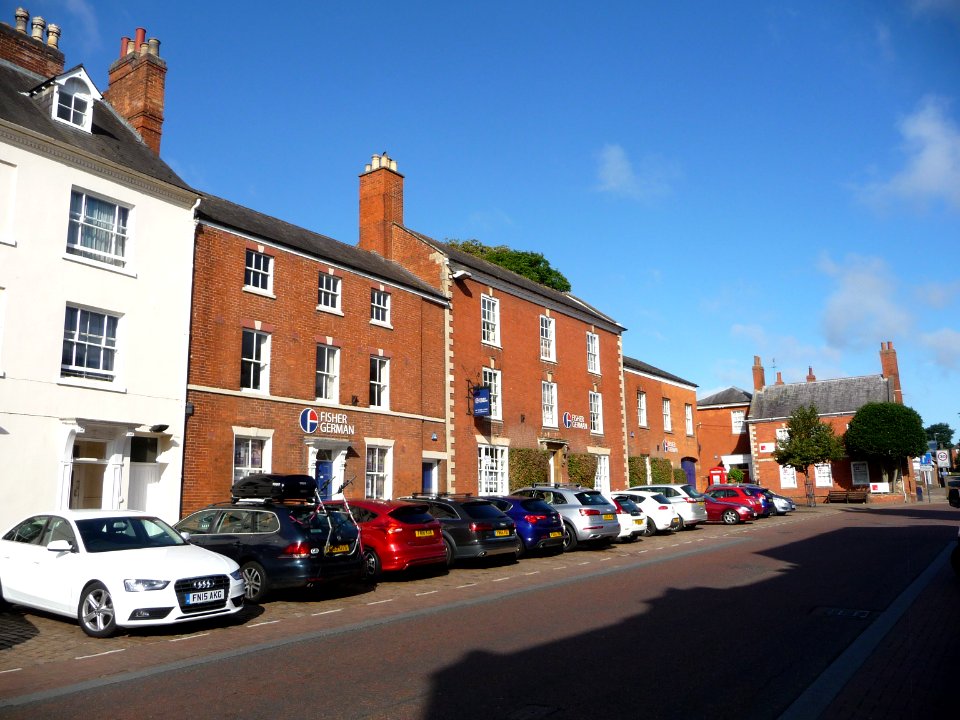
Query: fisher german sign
x,y
324,422
575,421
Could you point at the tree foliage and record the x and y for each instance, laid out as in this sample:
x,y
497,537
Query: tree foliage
x,y
942,433
886,433
810,442
530,265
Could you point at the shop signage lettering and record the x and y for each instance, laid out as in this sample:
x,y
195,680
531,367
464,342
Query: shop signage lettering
x,y
575,421
325,422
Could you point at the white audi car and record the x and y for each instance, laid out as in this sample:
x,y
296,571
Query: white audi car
x,y
113,569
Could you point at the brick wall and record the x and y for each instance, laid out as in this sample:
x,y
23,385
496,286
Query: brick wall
x,y
716,436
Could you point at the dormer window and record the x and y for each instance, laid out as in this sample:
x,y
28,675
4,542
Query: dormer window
x,y
74,103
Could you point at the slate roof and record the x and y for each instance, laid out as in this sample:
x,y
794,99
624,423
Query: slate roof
x,y
630,363
831,397
111,138
250,222
482,270
730,396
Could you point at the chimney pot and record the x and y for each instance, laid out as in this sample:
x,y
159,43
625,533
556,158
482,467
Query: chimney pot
x,y
38,24
53,35
810,376
21,16
154,45
124,46
140,37
779,378
376,162
393,165
130,47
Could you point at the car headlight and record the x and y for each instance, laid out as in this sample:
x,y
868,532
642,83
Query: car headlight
x,y
237,575
142,585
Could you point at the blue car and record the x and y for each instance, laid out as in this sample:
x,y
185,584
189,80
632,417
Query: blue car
x,y
539,526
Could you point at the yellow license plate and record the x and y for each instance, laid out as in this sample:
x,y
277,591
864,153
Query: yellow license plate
x,y
501,533
424,533
336,549
638,522
607,516
556,534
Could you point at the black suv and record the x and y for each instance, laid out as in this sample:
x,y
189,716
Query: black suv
x,y
472,527
279,544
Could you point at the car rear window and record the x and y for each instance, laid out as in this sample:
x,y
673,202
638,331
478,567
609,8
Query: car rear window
x,y
592,497
313,521
536,506
692,491
660,498
481,510
627,504
412,515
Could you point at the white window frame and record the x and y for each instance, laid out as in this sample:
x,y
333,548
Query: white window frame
x,y
823,475
84,227
548,338
79,337
259,358
601,479
379,307
328,293
258,272
492,470
595,403
379,382
688,418
329,375
262,444
489,320
379,476
788,477
68,95
738,422
593,353
667,419
642,408
548,403
861,469
492,378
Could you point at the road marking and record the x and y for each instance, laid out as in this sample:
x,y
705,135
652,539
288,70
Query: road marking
x,y
585,562
604,559
535,572
560,567
326,612
265,622
460,587
189,637
2,672
108,652
380,602
428,592
501,579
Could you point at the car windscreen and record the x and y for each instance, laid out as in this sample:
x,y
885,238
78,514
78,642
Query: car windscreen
x,y
411,514
126,533
593,497
692,491
481,510
537,506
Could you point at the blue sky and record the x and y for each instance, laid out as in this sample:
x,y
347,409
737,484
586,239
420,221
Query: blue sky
x,y
726,179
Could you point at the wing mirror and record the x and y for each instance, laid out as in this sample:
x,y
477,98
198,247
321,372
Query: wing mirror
x,y
60,546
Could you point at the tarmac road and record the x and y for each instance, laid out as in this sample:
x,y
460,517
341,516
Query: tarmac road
x,y
756,621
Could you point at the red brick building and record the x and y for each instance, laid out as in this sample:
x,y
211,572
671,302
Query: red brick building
x,y
722,430
309,356
550,363
662,419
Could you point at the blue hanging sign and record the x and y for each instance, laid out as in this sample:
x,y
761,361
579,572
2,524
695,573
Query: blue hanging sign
x,y
481,401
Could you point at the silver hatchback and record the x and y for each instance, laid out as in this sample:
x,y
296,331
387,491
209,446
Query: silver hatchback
x,y
587,515
686,500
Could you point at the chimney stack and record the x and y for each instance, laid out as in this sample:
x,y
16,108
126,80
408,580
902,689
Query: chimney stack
x,y
891,370
759,378
810,376
381,204
779,378
30,50
136,86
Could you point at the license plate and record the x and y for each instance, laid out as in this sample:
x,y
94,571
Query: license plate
x,y
638,522
501,533
607,516
424,533
556,534
336,549
205,596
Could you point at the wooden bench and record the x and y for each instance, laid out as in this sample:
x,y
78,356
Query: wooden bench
x,y
857,496
836,496
846,496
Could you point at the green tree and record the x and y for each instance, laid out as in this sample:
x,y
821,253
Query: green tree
x,y
942,433
887,433
810,441
735,475
530,265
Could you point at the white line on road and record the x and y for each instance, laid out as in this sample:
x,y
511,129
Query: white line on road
x,y
265,622
428,592
10,670
585,562
501,579
560,567
189,637
535,572
380,602
460,587
108,652
326,612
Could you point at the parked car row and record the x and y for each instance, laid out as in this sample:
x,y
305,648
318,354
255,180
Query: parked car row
x,y
113,569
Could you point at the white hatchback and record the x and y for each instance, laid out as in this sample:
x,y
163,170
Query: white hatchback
x,y
686,499
113,569
661,513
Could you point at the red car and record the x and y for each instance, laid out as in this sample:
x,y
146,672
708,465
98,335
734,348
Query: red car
x,y
736,494
397,535
727,511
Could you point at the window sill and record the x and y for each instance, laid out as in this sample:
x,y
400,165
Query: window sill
x,y
252,391
498,346
384,325
258,291
8,241
548,359
99,265
329,310
91,384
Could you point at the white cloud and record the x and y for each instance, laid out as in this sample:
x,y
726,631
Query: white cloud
x,y
931,170
945,346
616,175
938,295
862,309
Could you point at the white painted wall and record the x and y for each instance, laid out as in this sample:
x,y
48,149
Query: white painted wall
x,y
38,408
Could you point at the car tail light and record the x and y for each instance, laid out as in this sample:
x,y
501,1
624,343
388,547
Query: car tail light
x,y
589,511
296,550
394,528
480,526
664,507
534,519
690,500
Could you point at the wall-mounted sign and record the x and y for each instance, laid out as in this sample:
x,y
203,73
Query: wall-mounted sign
x,y
768,447
880,487
481,401
669,446
325,422
575,421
